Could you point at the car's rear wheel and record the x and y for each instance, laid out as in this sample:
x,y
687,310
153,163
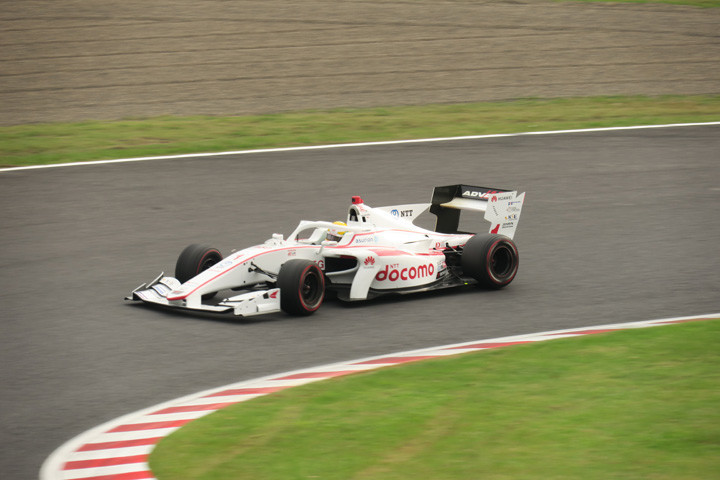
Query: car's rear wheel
x,y
302,287
194,259
490,259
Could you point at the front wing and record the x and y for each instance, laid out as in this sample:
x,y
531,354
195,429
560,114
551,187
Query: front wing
x,y
247,304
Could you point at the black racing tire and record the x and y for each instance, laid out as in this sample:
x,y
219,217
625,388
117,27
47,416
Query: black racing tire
x,y
302,287
490,259
194,259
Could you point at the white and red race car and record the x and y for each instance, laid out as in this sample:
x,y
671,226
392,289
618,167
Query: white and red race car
x,y
375,251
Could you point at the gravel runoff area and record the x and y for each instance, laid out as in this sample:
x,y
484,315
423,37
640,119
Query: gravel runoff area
x,y
113,59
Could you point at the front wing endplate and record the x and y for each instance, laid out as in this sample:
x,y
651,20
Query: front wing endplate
x,y
245,305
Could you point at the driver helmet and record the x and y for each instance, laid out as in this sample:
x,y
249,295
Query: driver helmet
x,y
335,233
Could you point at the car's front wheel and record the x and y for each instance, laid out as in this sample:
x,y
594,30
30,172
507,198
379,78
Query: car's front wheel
x,y
490,259
194,259
302,287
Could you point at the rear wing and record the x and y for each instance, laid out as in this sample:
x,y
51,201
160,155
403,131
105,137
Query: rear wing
x,y
502,207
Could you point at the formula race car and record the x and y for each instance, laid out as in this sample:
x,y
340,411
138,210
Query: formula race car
x,y
375,251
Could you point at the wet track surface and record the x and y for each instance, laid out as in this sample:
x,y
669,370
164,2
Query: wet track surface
x,y
617,226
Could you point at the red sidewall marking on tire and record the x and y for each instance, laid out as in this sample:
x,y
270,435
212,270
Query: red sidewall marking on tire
x,y
488,263
307,307
202,260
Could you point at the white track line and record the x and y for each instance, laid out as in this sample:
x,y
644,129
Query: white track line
x,y
119,449
350,145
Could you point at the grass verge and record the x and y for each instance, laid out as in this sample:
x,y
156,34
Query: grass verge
x,y
686,3
77,142
631,404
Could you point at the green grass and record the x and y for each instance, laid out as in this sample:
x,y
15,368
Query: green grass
x,y
75,142
687,3
634,404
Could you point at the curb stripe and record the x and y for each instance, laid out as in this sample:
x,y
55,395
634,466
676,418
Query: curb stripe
x,y
141,442
106,452
193,408
148,426
299,376
140,475
486,345
246,391
590,332
105,462
394,360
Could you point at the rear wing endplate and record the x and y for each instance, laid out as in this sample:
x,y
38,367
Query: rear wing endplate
x,y
502,207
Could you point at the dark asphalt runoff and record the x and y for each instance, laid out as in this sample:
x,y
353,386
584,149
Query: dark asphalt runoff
x,y
617,226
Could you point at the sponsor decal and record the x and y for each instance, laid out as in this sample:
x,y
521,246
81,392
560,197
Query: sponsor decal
x,y
441,268
273,294
171,283
394,273
401,213
477,193
369,261
161,288
224,264
321,264
292,253
483,194
365,239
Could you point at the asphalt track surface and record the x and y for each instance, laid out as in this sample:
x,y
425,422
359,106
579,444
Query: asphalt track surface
x,y
617,226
